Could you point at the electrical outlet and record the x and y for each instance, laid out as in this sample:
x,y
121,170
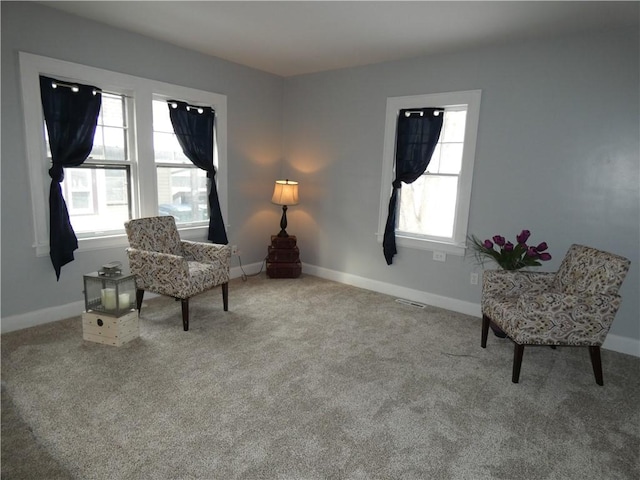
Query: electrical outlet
x,y
474,278
439,256
234,249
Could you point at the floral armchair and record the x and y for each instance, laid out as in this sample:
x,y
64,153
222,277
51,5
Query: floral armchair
x,y
166,265
574,306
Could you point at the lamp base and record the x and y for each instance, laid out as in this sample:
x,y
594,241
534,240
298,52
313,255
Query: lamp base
x,y
283,223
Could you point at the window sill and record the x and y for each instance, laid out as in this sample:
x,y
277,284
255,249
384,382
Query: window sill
x,y
431,245
89,244
197,233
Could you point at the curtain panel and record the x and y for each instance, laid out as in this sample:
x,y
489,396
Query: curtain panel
x,y
71,115
193,127
418,131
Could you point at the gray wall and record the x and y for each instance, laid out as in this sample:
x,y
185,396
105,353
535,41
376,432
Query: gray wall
x,y
557,153
254,101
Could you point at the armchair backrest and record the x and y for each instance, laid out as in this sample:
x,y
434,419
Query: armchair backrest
x,y
156,234
586,270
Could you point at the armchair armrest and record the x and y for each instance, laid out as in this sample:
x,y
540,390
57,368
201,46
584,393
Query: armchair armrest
x,y
567,318
514,283
206,252
158,272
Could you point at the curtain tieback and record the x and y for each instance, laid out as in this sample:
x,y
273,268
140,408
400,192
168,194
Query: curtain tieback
x,y
57,173
397,184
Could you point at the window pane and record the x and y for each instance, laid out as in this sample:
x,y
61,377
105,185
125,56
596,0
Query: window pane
x,y
451,158
167,149
447,156
434,164
79,179
114,143
97,199
80,200
97,152
428,205
161,119
165,143
112,112
182,193
110,139
453,127
117,187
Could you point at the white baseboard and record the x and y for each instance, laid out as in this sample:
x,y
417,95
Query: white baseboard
x,y
613,342
616,343
60,312
40,317
447,303
622,344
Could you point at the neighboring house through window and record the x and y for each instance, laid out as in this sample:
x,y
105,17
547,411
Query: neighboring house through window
x,y
433,211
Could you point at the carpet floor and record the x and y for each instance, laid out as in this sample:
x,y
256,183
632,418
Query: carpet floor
x,y
310,379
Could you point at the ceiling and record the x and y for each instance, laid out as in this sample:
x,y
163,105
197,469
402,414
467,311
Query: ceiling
x,y
297,37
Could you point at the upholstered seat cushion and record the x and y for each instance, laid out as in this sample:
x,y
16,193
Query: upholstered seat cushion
x,y
552,318
501,290
203,276
501,309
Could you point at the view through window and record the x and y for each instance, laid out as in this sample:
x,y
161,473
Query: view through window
x,y
182,187
428,205
98,194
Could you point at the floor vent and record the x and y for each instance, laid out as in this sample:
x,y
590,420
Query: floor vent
x,y
411,303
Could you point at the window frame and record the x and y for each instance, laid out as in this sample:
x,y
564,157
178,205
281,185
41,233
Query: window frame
x,y
140,92
457,244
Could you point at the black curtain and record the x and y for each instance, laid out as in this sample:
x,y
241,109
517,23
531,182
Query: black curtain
x,y
417,134
71,116
194,128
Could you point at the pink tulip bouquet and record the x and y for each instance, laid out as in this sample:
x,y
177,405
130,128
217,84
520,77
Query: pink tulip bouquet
x,y
508,255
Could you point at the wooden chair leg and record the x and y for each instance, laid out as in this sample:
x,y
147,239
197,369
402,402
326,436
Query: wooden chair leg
x,y
596,362
225,296
185,313
139,297
517,362
485,331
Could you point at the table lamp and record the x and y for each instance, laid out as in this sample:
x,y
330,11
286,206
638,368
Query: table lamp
x,y
285,193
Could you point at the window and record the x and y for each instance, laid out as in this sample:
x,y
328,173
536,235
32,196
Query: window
x,y
97,193
433,211
182,187
136,167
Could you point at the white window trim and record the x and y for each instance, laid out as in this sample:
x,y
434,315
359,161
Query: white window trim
x,y
394,104
142,90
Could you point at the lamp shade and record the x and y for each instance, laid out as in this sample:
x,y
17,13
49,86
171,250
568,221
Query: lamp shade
x,y
285,192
